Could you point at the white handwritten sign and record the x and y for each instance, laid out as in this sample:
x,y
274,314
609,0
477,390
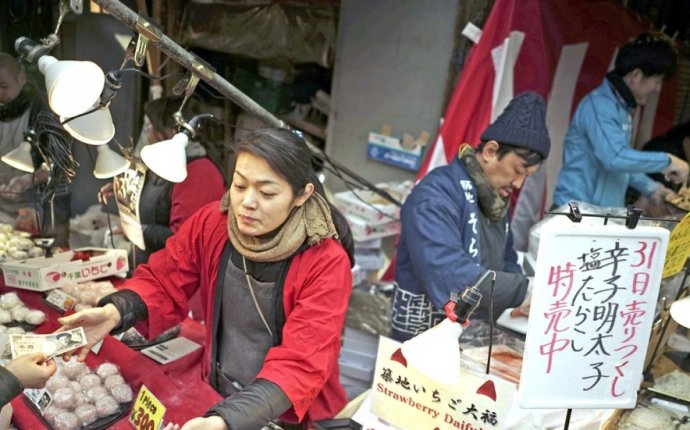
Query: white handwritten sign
x,y
595,291
407,399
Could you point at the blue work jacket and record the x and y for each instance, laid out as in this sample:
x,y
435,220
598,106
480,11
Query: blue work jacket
x,y
598,162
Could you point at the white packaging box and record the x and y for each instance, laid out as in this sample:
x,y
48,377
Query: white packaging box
x,y
370,207
362,230
356,371
359,275
368,244
370,259
360,342
43,274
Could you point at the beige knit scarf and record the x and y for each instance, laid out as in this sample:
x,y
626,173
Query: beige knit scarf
x,y
311,222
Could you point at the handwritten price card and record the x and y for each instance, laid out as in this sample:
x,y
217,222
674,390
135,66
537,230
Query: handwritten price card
x,y
408,399
148,411
595,292
678,247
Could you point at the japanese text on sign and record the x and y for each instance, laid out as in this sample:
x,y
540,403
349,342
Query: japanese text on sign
x,y
407,398
593,304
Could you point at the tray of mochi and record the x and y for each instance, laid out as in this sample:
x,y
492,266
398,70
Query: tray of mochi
x,y
16,317
17,245
77,397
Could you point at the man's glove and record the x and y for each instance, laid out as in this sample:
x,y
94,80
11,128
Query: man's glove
x,y
677,170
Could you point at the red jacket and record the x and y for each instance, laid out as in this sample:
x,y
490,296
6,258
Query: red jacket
x,y
315,298
204,184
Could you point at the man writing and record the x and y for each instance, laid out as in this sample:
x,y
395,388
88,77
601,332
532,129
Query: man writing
x,y
455,227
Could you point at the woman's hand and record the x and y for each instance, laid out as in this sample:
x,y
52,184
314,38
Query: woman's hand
x,y
208,423
32,370
106,192
97,324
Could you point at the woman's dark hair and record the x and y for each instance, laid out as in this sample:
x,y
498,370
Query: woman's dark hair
x,y
290,157
654,53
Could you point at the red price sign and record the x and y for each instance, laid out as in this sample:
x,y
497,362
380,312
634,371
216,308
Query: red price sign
x,y
147,412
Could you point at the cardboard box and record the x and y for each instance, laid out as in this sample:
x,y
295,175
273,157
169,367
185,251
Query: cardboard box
x,y
362,230
387,149
370,207
43,274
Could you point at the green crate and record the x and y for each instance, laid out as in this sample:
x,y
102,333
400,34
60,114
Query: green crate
x,y
276,97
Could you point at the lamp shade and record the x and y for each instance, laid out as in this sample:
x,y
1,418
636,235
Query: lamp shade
x,y
167,158
20,158
109,163
95,128
73,86
436,352
680,311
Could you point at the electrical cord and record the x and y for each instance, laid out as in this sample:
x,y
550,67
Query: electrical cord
x,y
101,197
94,109
54,145
491,322
350,186
326,159
353,190
152,77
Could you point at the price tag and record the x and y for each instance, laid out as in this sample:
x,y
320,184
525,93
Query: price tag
x,y
147,412
61,300
678,247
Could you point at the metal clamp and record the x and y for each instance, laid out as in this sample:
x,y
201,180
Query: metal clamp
x,y
574,215
632,217
139,54
202,69
148,29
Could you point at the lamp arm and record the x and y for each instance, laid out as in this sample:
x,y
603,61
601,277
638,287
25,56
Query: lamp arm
x,y
203,71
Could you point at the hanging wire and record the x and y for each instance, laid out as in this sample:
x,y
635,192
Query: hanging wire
x,y
55,148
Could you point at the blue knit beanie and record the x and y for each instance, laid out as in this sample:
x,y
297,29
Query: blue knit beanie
x,y
522,124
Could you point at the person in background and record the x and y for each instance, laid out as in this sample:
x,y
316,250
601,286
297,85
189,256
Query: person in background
x,y
455,226
598,161
25,371
165,205
272,262
20,105
675,141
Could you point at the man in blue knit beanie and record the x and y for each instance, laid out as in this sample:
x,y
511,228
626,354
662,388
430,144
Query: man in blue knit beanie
x,y
455,227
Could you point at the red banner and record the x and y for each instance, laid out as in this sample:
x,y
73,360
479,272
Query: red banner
x,y
560,49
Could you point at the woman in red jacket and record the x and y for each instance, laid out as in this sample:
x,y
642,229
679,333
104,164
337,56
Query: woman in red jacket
x,y
272,263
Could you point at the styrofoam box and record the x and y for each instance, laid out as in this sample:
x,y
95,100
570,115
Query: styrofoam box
x,y
42,274
363,360
362,230
360,342
356,370
370,207
368,244
370,259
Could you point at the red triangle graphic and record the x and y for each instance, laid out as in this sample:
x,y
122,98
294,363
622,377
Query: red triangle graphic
x,y
488,389
399,357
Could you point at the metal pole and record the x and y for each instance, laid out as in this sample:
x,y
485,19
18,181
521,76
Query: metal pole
x,y
193,63
190,62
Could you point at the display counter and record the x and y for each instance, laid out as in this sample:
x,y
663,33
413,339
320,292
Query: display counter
x,y
178,385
